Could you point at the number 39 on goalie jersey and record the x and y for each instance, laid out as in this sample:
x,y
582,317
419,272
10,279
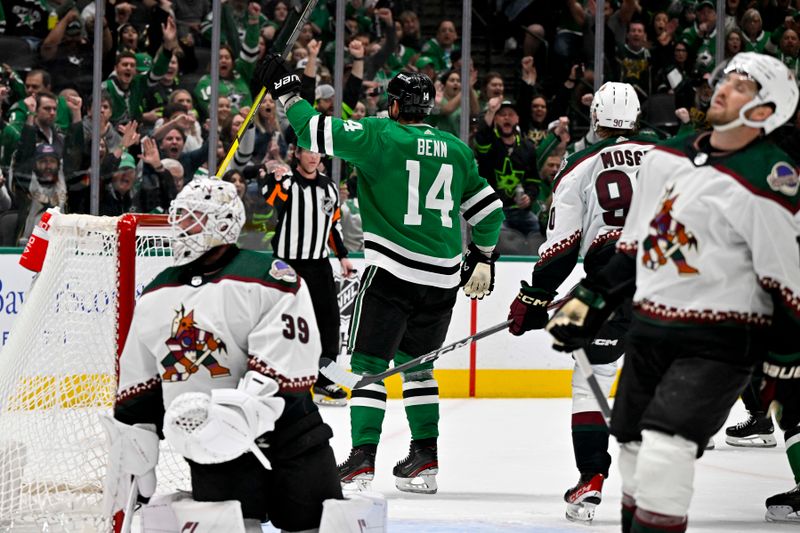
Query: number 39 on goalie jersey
x,y
414,181
592,195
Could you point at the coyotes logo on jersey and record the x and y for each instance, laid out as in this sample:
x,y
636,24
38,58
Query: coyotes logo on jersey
x,y
666,238
191,347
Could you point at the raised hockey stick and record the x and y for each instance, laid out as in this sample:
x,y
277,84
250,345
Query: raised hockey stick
x,y
338,374
586,367
285,38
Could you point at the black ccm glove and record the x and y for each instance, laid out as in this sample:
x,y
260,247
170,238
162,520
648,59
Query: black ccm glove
x,y
577,322
477,273
273,73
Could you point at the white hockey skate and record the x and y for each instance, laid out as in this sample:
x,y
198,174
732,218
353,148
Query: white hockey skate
x,y
417,472
583,499
784,507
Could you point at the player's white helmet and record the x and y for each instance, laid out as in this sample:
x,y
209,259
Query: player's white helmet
x,y
615,105
777,87
206,213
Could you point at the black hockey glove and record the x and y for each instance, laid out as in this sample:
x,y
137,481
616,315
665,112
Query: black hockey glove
x,y
477,273
273,73
577,322
529,309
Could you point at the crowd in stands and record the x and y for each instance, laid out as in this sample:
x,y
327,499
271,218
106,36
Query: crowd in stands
x,y
156,92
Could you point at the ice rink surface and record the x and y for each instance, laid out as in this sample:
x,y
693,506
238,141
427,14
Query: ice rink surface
x,y
505,464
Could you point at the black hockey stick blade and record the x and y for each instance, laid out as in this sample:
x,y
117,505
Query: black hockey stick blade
x,y
292,26
338,374
282,44
586,367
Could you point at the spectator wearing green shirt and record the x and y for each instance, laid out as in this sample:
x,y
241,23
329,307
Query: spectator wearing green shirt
x,y
446,114
127,87
234,71
755,38
440,47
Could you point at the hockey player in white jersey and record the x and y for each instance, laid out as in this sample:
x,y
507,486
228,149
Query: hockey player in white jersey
x,y
591,198
222,351
709,253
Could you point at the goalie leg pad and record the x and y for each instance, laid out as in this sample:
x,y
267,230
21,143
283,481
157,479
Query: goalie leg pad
x,y
158,517
209,517
363,512
665,473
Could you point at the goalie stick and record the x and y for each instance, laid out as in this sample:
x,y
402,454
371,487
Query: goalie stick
x,y
336,373
295,20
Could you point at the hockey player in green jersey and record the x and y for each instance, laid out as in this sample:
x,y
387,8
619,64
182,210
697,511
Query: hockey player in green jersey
x,y
414,183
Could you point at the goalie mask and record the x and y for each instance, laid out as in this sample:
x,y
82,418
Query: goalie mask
x,y
615,105
205,214
777,87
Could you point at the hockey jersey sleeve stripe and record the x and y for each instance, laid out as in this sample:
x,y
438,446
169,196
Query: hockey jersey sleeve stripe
x,y
285,384
484,209
327,133
134,392
313,130
477,197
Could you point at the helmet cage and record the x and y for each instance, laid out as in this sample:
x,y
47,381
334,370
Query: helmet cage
x,y
205,214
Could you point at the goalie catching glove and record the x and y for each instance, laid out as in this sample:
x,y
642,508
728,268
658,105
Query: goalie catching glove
x,y
577,322
477,272
529,309
221,427
273,73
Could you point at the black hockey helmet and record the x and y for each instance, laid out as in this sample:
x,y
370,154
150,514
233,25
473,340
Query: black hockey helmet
x,y
414,92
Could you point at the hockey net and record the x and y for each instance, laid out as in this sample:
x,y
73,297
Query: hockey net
x,y
58,372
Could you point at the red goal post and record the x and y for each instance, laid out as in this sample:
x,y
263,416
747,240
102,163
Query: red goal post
x,y
59,369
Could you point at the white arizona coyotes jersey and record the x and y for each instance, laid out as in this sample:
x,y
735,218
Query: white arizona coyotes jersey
x,y
195,333
591,198
713,233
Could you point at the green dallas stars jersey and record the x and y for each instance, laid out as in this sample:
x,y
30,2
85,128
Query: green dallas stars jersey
x,y
413,182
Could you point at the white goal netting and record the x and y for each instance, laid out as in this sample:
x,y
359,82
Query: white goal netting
x,y
58,372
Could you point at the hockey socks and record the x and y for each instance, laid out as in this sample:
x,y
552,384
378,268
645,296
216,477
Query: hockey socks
x,y
590,443
649,522
792,438
368,404
421,399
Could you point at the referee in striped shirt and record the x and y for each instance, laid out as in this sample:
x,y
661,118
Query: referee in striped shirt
x,y
307,204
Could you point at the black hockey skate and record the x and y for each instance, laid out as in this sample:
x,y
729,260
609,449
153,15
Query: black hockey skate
x,y
417,472
359,469
583,498
755,432
784,507
327,392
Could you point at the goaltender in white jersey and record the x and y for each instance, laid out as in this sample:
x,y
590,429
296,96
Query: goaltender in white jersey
x,y
221,354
